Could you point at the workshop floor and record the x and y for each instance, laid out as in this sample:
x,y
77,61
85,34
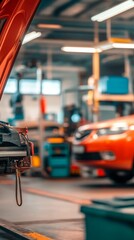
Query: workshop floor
x,y
51,207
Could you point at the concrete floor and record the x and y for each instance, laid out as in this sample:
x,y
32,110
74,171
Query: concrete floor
x,y
51,207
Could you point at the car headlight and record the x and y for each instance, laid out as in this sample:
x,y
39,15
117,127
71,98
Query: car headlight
x,y
111,131
79,135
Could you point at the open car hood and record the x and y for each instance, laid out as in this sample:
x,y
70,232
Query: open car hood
x,y
129,120
15,17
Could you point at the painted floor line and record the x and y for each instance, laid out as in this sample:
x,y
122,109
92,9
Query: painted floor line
x,y
49,221
37,236
19,232
6,182
57,196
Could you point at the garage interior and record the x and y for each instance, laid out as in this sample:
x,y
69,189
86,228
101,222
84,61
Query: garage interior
x,y
71,93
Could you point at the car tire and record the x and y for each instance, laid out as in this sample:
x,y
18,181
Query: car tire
x,y
119,176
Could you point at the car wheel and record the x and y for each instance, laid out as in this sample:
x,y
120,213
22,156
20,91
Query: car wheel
x,y
120,176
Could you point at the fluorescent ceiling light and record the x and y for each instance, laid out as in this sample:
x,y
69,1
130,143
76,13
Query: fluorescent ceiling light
x,y
49,26
123,45
120,8
30,36
103,46
80,49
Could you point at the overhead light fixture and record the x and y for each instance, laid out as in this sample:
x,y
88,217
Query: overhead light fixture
x,y
119,43
116,43
120,8
123,45
49,26
30,36
105,46
81,49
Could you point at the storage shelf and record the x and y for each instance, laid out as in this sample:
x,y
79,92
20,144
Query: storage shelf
x,y
115,98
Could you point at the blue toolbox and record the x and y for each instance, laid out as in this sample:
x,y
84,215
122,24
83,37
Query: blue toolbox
x,y
110,219
57,159
114,85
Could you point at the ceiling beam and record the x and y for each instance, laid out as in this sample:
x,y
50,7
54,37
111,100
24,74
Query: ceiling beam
x,y
59,42
72,20
85,24
44,4
89,7
64,68
76,29
54,43
65,6
59,68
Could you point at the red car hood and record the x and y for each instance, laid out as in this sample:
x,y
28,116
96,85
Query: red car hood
x,y
15,17
105,124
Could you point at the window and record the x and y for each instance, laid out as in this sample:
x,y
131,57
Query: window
x,y
51,87
29,86
32,86
11,86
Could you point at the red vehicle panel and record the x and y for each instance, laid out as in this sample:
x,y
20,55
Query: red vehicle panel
x,y
15,17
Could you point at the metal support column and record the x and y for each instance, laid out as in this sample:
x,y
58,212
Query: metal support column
x,y
49,65
127,73
131,77
39,76
108,28
96,75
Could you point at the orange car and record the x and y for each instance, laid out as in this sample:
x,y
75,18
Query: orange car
x,y
108,145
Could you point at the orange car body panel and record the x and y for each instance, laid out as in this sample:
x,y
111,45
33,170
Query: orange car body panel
x,y
122,145
17,15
